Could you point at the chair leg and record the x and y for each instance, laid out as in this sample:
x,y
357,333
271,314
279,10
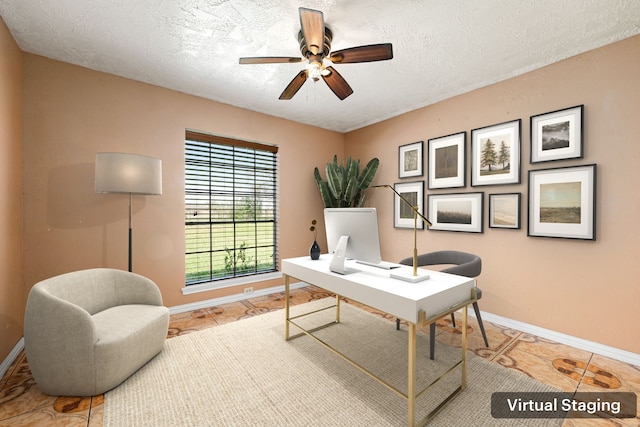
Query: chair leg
x,y
453,320
432,340
484,335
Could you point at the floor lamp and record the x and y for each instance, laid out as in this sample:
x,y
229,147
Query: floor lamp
x,y
417,275
128,174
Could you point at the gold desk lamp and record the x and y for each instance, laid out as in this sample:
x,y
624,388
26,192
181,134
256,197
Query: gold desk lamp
x,y
416,276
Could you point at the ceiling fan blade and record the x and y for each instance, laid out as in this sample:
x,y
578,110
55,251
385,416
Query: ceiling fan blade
x,y
312,23
294,86
270,60
337,83
369,53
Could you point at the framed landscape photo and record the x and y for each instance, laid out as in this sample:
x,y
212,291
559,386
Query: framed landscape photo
x,y
446,161
410,160
495,154
504,210
456,212
557,135
413,192
562,202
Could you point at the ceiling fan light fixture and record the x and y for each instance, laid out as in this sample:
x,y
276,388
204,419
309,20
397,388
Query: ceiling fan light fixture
x,y
315,70
315,39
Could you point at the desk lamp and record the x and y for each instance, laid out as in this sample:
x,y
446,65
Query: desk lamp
x,y
416,276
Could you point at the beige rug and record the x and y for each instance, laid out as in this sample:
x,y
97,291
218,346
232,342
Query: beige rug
x,y
246,374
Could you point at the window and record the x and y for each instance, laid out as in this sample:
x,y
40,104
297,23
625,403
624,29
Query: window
x,y
230,208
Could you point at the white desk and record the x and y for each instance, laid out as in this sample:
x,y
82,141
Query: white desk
x,y
417,303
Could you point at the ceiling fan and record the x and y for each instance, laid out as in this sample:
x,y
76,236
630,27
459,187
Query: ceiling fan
x,y
315,46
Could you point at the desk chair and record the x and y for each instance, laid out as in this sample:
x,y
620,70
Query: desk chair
x,y
465,264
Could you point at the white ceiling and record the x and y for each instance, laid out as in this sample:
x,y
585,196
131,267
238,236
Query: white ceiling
x,y
442,48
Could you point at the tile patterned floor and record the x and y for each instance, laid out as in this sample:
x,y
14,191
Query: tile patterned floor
x,y
567,368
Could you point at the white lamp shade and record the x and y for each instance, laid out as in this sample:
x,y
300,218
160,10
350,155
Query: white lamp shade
x,y
128,173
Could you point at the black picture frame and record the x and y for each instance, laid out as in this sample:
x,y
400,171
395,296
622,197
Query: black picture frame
x,y
562,202
410,160
447,165
413,192
557,135
504,210
456,212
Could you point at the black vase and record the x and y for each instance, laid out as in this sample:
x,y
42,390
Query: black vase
x,y
314,251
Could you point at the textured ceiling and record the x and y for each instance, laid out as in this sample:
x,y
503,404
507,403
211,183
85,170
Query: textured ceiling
x,y
442,48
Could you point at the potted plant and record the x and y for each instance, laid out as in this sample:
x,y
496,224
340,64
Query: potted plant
x,y
345,184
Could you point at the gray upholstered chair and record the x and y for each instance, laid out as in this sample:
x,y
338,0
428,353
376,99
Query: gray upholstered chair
x,y
464,264
87,331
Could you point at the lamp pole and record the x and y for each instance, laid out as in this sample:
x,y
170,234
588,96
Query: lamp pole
x,y
130,234
416,214
130,174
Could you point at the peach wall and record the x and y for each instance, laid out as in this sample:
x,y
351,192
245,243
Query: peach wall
x,y
585,289
12,296
70,113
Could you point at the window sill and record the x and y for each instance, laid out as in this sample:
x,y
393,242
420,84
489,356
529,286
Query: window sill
x,y
227,283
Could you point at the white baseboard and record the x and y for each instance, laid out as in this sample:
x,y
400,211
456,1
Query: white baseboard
x,y
591,346
231,298
13,354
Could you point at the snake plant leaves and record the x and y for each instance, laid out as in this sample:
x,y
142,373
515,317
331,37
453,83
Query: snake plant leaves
x,y
336,178
368,173
345,185
327,198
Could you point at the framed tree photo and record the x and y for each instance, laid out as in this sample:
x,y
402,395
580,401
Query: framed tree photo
x,y
557,135
413,192
562,202
456,212
446,160
410,160
504,210
495,154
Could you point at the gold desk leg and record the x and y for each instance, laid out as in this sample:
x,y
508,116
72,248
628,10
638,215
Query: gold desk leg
x,y
411,380
337,308
286,307
464,347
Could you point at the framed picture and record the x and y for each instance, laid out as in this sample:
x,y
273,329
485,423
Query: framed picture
x,y
456,212
410,160
562,202
557,135
495,154
413,192
504,210
446,160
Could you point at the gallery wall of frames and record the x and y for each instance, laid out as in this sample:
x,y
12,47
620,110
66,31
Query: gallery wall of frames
x,y
560,202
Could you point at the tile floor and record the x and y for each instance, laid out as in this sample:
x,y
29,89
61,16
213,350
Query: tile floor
x,y
567,368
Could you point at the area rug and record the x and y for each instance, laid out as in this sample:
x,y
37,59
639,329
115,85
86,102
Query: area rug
x,y
245,374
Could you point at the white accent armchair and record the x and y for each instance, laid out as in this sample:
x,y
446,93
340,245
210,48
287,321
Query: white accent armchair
x,y
87,331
